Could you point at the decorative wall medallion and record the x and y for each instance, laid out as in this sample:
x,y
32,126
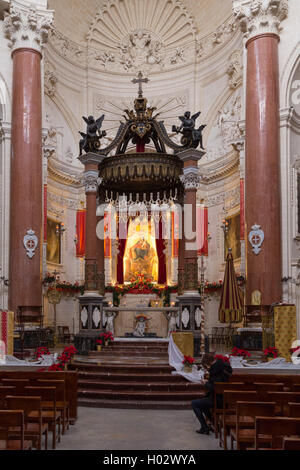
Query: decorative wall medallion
x,y
256,238
30,241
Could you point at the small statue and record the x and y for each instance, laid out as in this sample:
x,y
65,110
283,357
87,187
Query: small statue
x,y
90,141
173,322
140,328
191,137
108,321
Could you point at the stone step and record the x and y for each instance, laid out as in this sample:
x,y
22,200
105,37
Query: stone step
x,y
123,368
140,386
125,404
139,395
134,349
126,353
118,377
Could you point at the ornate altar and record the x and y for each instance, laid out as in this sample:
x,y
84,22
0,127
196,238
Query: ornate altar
x,y
140,188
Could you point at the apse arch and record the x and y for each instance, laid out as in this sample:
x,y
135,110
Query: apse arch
x,y
292,67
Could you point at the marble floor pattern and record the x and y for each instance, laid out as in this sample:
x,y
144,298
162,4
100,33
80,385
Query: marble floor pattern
x,y
113,429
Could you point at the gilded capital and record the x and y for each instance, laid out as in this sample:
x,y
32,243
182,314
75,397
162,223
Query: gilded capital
x,y
26,26
260,16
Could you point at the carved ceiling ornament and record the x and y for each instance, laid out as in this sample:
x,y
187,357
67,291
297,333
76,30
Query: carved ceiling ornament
x,y
131,36
50,80
27,26
260,16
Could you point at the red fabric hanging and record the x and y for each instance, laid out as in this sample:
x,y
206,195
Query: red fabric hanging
x,y
80,233
202,230
140,145
242,208
160,246
120,264
107,234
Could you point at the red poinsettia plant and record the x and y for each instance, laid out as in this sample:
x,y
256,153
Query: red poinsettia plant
x,y
41,351
271,352
188,361
222,358
65,357
236,352
105,337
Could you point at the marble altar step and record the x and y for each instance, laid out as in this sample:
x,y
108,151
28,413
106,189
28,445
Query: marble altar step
x,y
122,368
125,404
128,352
139,386
138,395
127,377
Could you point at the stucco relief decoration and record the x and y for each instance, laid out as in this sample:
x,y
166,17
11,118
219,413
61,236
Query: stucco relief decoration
x,y
27,27
234,70
256,238
1,131
226,129
260,16
50,81
132,36
215,41
190,180
30,242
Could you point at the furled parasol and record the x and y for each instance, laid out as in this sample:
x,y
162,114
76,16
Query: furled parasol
x,y
231,304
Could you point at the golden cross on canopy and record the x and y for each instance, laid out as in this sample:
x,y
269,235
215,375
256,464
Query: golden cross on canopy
x,y
140,80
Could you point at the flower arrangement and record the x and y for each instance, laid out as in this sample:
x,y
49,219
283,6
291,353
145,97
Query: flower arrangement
x,y
271,352
41,351
211,287
236,352
54,283
105,337
65,357
222,358
188,361
141,284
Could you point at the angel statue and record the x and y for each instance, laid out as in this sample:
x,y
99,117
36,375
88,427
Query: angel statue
x,y
90,141
191,137
108,321
173,322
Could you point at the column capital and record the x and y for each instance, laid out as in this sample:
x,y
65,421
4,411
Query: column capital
x,y
27,25
257,17
90,181
191,179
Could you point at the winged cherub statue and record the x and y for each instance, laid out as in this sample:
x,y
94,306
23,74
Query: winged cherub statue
x,y
90,141
191,137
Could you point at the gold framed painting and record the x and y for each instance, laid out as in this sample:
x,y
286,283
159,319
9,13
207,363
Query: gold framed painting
x,y
232,237
53,242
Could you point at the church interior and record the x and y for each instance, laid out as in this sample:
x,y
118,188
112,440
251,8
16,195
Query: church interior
x,y
149,224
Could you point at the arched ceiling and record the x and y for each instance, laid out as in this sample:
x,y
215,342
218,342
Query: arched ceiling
x,y
74,18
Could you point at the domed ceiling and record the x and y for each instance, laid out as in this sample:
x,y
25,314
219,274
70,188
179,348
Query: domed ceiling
x,y
73,18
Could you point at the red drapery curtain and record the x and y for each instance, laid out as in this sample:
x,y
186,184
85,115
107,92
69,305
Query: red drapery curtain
x,y
202,230
242,208
80,233
160,246
122,245
107,234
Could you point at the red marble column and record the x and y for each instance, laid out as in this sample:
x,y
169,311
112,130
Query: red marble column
x,y
100,255
190,253
26,179
263,166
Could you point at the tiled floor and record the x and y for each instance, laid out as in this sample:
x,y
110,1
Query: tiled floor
x,y
111,429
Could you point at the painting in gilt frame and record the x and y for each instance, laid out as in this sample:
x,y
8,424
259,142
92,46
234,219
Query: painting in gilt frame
x,y
232,237
53,243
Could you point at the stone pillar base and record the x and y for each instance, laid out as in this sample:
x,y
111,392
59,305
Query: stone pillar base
x,y
90,321
189,302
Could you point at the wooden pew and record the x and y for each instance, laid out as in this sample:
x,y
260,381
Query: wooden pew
x,y
277,428
70,378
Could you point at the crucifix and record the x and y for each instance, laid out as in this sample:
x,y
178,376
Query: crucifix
x,y
140,80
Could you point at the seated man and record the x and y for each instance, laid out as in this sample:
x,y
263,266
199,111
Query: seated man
x,y
218,372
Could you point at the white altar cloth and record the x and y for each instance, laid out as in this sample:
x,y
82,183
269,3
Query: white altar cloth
x,y
43,361
175,360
